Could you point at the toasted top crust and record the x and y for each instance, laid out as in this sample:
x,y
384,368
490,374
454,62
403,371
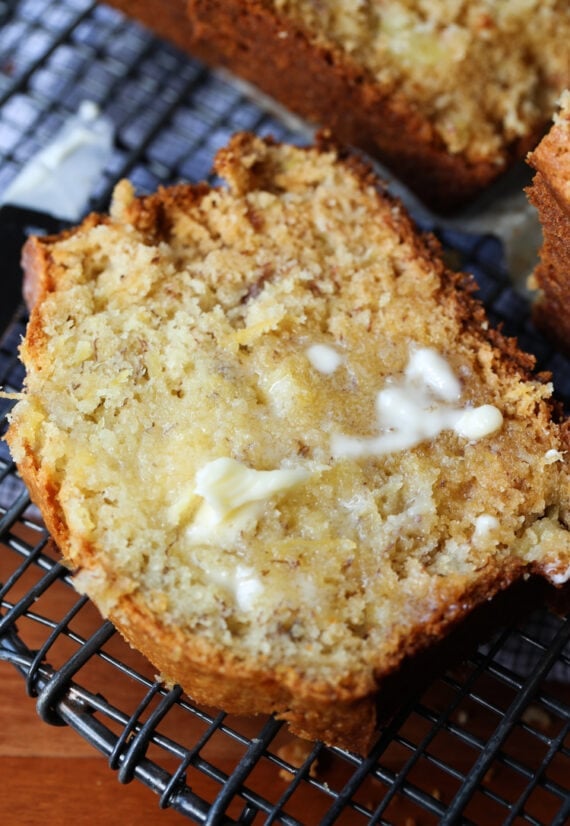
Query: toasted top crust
x,y
277,438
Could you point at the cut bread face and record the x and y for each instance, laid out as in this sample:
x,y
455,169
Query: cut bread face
x,y
276,439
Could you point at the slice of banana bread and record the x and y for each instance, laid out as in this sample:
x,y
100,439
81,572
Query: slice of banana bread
x,y
446,93
550,194
276,439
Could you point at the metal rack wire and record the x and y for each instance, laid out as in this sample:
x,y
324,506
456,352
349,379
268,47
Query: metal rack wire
x,y
487,741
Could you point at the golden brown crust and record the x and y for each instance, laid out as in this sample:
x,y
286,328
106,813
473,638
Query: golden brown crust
x,y
552,273
342,718
244,688
37,267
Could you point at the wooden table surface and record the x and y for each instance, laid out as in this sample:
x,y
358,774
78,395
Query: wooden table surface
x,y
49,776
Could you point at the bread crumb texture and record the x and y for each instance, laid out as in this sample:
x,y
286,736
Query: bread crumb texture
x,y
179,428
483,73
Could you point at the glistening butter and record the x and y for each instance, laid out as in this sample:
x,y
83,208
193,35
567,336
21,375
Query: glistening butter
x,y
418,406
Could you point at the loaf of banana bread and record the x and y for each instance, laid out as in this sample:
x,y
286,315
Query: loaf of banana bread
x,y
447,94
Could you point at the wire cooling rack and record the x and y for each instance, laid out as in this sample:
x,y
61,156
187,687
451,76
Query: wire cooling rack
x,y
487,741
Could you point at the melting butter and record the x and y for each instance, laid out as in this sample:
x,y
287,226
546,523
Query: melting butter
x,y
551,456
227,485
484,529
323,358
418,407
241,583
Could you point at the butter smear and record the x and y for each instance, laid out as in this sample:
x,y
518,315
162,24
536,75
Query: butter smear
x,y
418,407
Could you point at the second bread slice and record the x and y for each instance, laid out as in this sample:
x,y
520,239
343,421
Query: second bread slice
x,y
447,94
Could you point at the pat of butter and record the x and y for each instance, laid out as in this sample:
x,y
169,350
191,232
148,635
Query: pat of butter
x,y
433,372
227,485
